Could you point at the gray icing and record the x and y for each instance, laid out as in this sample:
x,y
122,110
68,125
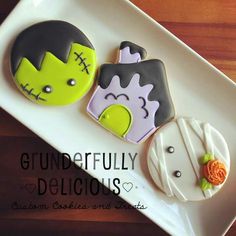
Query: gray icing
x,y
134,48
52,36
151,72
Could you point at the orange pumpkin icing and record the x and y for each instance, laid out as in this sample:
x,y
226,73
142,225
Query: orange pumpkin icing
x,y
215,172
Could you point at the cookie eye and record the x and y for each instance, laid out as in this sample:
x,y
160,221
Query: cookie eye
x,y
71,82
47,89
170,149
177,173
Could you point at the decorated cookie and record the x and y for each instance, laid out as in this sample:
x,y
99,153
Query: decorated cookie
x,y
132,98
53,63
189,159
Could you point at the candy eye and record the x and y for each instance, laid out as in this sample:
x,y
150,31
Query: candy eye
x,y
47,89
71,82
177,173
170,149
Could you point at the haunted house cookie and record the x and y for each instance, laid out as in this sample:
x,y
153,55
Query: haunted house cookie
x,y
53,63
189,159
132,98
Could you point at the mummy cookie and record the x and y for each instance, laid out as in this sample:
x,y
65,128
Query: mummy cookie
x,y
189,159
53,63
132,98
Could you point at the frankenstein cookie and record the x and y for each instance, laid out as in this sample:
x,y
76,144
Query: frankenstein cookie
x,y
53,63
189,160
132,98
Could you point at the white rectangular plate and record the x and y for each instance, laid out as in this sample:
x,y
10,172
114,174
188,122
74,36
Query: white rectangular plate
x,y
198,89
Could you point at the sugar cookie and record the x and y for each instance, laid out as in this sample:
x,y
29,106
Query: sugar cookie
x,y
132,98
53,63
189,159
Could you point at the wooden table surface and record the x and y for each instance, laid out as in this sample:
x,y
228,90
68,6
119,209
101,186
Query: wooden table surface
x,y
209,27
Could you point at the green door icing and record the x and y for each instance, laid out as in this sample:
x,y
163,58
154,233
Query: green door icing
x,y
116,118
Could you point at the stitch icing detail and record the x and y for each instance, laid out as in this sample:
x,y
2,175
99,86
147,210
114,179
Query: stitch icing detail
x,y
82,62
49,64
29,92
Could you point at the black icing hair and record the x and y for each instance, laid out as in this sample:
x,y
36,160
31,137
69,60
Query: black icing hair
x,y
151,72
53,36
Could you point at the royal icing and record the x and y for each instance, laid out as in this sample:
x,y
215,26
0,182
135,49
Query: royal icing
x,y
215,172
53,63
198,163
132,98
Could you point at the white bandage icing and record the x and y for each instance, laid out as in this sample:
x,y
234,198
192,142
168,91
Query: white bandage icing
x,y
196,139
158,160
206,139
191,152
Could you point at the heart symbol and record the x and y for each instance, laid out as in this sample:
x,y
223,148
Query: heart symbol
x,y
30,188
127,186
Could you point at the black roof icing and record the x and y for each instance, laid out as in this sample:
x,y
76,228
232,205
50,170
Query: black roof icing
x,y
151,72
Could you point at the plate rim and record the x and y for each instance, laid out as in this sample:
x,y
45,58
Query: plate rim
x,y
142,13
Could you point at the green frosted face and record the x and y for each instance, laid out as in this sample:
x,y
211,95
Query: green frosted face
x,y
58,83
